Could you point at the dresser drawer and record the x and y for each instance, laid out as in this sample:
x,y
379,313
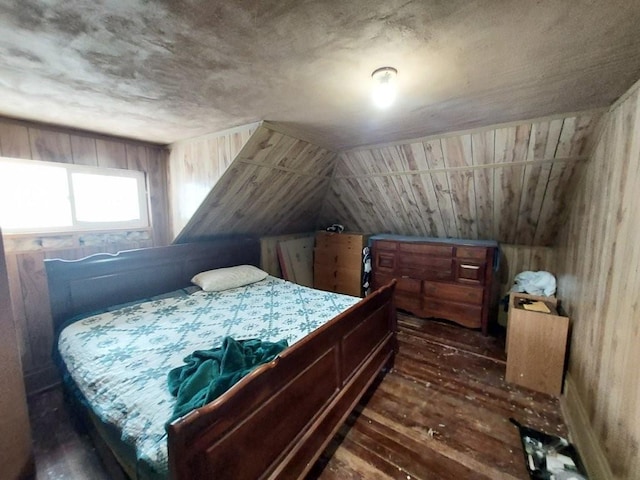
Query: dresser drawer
x,y
467,315
455,293
411,303
406,286
384,261
410,286
383,245
427,249
331,240
424,267
345,255
470,272
340,280
380,280
475,253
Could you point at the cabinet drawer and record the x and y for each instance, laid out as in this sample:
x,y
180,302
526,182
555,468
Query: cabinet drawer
x,y
382,245
427,249
475,253
330,240
455,293
347,281
426,268
380,280
344,255
470,272
385,261
467,315
411,303
409,285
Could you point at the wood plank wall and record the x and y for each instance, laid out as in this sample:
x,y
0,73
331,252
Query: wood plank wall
x,y
25,253
599,284
275,186
195,166
508,183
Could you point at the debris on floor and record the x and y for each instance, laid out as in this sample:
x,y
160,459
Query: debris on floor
x,y
549,457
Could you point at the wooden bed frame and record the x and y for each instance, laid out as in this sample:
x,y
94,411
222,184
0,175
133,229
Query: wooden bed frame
x,y
277,420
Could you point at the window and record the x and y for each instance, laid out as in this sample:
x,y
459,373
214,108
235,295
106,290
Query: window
x,y
45,197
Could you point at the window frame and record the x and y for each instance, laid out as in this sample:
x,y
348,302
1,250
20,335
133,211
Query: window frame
x,y
144,204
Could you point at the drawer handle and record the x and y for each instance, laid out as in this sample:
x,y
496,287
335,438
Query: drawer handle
x,y
405,276
471,267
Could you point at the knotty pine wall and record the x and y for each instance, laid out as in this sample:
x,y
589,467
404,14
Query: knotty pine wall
x,y
507,183
275,186
599,283
196,165
517,178
25,253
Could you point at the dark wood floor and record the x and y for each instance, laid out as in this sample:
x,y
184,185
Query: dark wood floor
x,y
441,413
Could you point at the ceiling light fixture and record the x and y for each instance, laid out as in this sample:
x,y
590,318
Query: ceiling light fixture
x,y
384,86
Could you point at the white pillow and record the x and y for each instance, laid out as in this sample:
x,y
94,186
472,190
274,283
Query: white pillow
x,y
226,278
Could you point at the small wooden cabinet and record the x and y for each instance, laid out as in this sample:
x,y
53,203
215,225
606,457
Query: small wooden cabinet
x,y
442,278
337,263
536,345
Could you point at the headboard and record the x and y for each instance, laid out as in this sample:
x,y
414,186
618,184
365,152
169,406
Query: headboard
x,y
98,281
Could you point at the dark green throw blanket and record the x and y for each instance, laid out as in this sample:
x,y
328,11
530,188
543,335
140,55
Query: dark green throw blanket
x,y
209,373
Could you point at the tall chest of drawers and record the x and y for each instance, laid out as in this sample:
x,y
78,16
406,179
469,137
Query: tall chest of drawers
x,y
337,262
441,278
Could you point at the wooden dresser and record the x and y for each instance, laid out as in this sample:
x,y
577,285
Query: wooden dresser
x,y
337,263
450,279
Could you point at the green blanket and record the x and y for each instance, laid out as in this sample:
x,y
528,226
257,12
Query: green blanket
x,y
209,373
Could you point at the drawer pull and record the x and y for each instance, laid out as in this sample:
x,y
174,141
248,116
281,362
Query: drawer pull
x,y
471,267
405,276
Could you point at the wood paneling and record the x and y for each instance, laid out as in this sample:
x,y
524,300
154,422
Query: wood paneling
x,y
50,145
195,165
599,284
30,141
15,442
509,183
24,253
275,185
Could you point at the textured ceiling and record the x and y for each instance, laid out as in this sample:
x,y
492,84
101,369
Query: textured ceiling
x,y
162,71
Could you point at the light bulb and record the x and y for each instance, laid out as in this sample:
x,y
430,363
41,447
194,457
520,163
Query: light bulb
x,y
384,86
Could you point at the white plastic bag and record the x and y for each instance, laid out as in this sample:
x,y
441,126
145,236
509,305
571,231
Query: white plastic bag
x,y
535,283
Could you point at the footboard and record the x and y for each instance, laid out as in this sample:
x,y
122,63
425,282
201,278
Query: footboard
x,y
277,420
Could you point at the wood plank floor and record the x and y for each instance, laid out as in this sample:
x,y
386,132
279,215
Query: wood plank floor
x,y
442,412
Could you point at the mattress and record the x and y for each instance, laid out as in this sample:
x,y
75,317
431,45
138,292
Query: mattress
x,y
119,360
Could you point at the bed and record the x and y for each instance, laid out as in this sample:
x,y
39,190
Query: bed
x,y
323,373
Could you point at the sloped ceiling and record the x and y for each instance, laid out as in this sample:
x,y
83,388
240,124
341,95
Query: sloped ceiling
x,y
275,185
164,71
510,184
196,165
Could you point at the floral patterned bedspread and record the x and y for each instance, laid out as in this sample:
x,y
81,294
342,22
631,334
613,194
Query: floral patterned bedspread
x,y
119,360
